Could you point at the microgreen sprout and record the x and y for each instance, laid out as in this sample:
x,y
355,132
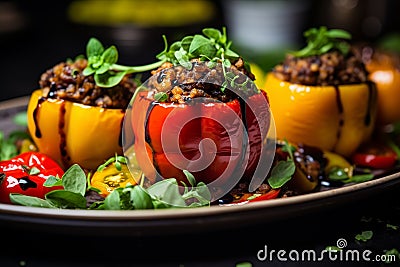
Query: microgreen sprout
x,y
117,161
322,40
212,46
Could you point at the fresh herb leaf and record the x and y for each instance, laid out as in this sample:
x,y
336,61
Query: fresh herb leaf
x,y
112,201
364,236
102,63
74,180
109,78
94,48
281,173
289,148
141,198
65,199
338,174
202,46
190,177
30,201
213,44
360,178
167,191
52,181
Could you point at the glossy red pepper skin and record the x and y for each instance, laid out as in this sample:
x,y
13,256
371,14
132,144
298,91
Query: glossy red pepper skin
x,y
255,197
212,131
16,176
375,157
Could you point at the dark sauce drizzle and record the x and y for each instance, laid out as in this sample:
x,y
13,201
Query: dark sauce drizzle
x,y
63,139
25,183
340,110
36,115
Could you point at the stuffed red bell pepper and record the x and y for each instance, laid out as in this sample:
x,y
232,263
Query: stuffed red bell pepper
x,y
200,111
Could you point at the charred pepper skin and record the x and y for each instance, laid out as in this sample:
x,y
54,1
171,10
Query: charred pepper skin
x,y
334,118
74,133
18,175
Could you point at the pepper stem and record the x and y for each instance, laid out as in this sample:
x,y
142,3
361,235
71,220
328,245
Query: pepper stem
x,y
134,69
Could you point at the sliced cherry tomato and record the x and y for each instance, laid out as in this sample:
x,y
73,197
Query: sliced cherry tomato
x,y
26,174
253,197
271,194
113,174
376,156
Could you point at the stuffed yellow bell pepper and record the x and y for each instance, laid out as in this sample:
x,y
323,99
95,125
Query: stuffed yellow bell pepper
x,y
321,96
384,69
77,114
72,132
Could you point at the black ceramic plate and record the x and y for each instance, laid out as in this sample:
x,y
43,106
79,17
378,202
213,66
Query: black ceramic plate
x,y
170,221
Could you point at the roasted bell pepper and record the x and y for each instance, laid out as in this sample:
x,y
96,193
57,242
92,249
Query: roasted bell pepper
x,y
312,165
26,173
74,133
336,161
386,75
333,118
172,137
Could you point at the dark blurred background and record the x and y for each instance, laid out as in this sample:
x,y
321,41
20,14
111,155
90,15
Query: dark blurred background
x,y
36,35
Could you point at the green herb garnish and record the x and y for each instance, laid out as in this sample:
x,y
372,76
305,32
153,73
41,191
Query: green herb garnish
x,y
117,162
162,194
102,63
322,40
364,236
213,46
343,175
283,171
392,252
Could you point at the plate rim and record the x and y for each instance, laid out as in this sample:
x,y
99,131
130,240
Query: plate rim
x,y
142,221
149,214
